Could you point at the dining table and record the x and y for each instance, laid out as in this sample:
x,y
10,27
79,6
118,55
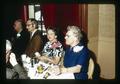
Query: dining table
x,y
42,70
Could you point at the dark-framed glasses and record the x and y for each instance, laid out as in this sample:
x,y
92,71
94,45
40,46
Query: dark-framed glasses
x,y
28,25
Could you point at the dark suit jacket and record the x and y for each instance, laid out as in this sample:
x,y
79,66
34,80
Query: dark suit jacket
x,y
20,43
35,44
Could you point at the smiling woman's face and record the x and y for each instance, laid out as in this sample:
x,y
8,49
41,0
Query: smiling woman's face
x,y
51,35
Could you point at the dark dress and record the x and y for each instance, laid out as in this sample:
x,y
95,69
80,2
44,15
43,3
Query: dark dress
x,y
73,58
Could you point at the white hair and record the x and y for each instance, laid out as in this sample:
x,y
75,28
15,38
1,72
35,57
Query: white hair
x,y
76,31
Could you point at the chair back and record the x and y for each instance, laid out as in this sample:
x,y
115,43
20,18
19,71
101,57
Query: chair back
x,y
90,68
62,59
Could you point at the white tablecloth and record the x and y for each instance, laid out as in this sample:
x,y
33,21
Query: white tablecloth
x,y
33,74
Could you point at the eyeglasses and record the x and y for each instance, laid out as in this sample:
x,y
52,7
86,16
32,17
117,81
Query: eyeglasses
x,y
68,36
28,25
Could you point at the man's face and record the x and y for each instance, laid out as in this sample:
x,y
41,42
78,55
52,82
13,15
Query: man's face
x,y
29,25
17,26
69,38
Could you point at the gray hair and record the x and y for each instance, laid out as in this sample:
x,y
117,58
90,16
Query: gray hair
x,y
76,31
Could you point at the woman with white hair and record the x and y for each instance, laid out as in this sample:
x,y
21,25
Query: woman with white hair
x,y
76,57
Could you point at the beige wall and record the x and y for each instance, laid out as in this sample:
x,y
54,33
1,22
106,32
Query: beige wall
x,y
101,35
93,23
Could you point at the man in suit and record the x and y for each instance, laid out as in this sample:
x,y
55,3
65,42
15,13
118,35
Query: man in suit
x,y
20,40
36,42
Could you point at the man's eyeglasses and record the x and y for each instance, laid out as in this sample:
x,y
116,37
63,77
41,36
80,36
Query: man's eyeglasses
x,y
28,25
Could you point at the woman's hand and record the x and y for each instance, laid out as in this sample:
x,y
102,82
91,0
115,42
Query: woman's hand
x,y
64,70
38,56
42,58
55,70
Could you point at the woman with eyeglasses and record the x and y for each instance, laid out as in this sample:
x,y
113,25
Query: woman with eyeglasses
x,y
76,57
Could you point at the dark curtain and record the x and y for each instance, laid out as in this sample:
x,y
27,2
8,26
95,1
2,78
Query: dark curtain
x,y
49,14
60,15
67,14
24,12
10,13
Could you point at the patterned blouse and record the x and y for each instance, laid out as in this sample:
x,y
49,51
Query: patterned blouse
x,y
53,49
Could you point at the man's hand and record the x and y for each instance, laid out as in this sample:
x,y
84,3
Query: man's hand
x,y
23,56
37,54
13,60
